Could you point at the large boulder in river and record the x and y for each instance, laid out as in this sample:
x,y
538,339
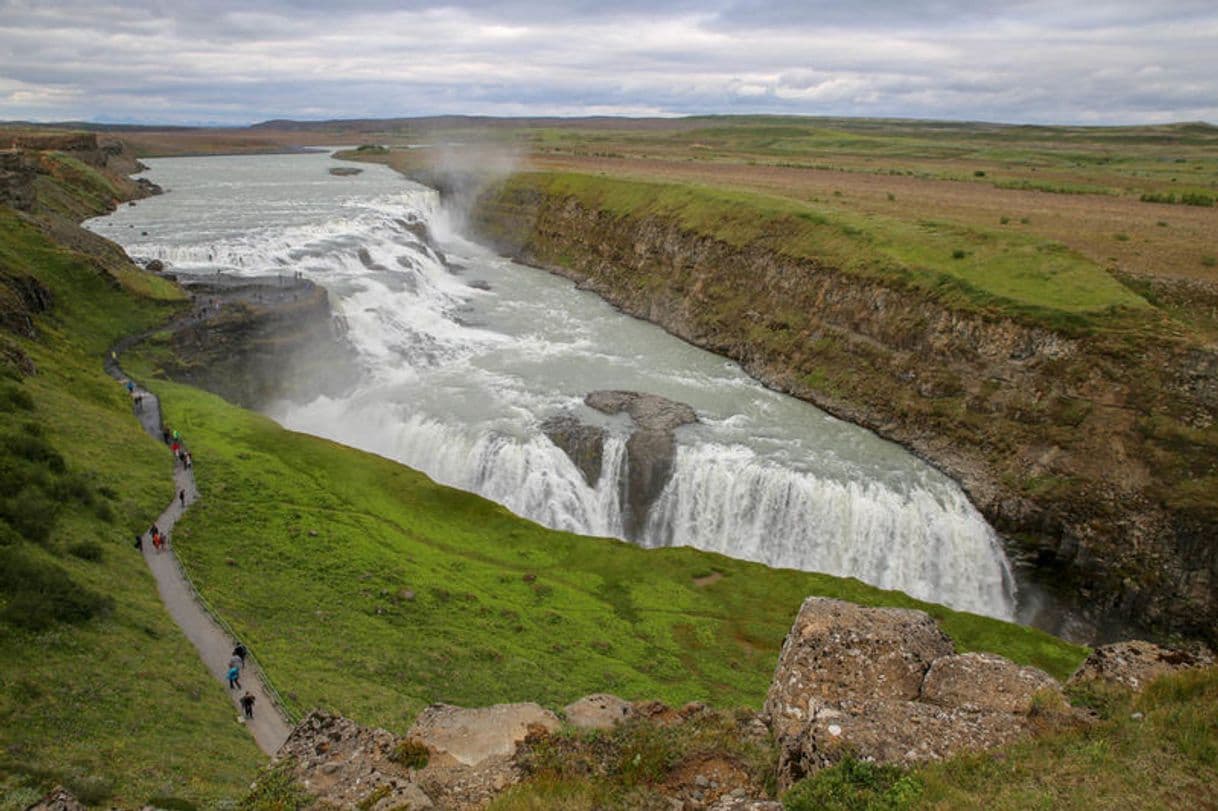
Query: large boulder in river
x,y
838,652
651,449
1135,663
885,684
583,443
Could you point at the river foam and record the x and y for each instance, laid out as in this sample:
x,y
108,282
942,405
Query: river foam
x,y
462,360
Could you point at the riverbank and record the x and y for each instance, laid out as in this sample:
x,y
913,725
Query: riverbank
x,y
1077,414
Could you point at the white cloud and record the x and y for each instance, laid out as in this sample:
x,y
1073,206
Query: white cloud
x,y
1020,60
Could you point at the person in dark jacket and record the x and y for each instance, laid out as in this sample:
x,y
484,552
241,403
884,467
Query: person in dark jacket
x,y
247,704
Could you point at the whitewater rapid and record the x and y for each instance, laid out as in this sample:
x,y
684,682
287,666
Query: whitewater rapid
x,y
464,355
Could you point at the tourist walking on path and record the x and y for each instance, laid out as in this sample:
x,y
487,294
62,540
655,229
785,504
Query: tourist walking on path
x,y
215,647
247,704
182,497
240,653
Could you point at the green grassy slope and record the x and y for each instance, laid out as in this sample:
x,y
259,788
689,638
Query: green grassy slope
x,y
966,267
115,705
365,587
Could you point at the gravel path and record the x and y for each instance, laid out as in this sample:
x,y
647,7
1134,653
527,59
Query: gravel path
x,y
268,726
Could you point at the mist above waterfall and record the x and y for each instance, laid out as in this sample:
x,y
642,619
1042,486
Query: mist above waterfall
x,y
464,355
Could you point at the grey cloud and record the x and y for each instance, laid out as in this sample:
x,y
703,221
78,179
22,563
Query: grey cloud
x,y
1021,60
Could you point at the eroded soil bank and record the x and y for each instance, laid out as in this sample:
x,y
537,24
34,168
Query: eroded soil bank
x,y
1087,449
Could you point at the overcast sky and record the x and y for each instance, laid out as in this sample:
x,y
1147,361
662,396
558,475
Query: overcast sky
x,y
176,61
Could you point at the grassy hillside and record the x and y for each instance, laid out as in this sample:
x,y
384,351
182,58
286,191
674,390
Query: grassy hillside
x,y
981,268
98,689
367,588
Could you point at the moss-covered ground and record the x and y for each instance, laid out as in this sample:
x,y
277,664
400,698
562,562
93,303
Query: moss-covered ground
x,y
98,689
367,588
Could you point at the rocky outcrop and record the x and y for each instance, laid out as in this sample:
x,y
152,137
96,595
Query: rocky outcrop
x,y
451,758
472,737
583,443
17,173
1134,664
347,766
254,340
598,711
884,684
650,450
1069,442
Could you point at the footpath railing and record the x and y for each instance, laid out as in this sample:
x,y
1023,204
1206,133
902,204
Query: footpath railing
x,y
287,709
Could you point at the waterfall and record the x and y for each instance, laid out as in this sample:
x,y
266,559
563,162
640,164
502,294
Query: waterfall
x,y
463,360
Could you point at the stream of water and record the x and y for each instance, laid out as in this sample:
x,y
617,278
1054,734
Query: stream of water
x,y
460,365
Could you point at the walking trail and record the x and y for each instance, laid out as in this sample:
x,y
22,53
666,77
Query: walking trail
x,y
268,726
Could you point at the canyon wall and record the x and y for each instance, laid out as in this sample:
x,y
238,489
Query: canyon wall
x,y
1088,451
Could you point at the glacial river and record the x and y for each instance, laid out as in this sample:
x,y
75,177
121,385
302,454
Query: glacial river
x,y
460,366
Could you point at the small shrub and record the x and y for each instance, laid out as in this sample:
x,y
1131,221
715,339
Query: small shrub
x,y
411,753
854,785
959,253
37,594
1025,220
1121,237
90,790
14,398
1004,220
276,790
1209,260
87,550
979,173
1161,224
891,196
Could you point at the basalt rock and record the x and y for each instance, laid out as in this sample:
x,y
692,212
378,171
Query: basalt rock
x,y
884,684
1045,428
837,652
583,443
255,340
1135,663
650,450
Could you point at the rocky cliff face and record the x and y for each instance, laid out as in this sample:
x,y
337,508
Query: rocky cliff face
x,y
255,340
1076,447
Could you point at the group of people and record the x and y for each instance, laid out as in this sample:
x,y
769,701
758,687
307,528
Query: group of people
x,y
174,440
137,397
236,664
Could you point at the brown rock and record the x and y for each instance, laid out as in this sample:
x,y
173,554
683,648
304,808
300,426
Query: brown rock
x,y
888,731
985,682
1136,663
598,711
471,736
838,651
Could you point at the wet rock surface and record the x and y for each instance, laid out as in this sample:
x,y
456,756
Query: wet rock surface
x,y
583,443
650,450
252,340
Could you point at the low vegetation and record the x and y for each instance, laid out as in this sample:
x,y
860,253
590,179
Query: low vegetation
x,y
99,691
